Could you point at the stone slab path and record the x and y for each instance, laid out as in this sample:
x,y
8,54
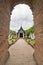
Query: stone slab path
x,y
21,53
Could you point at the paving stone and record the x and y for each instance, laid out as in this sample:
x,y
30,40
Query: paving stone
x,y
21,54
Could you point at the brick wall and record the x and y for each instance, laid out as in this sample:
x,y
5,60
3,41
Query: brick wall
x,y
4,28
38,18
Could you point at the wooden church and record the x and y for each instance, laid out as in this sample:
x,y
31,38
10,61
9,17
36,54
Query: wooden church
x,y
21,33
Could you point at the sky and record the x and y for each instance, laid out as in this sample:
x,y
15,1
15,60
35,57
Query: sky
x,y
21,16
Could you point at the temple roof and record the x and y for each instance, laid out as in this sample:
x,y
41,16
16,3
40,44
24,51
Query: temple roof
x,y
21,29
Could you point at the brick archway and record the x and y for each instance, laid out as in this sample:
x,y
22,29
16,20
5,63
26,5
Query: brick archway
x,y
6,7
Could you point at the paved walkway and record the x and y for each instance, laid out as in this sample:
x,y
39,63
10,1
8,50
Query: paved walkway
x,y
21,54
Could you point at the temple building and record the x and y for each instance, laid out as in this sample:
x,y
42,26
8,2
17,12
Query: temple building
x,y
21,33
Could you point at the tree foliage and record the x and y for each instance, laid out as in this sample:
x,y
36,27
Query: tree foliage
x,y
30,30
12,32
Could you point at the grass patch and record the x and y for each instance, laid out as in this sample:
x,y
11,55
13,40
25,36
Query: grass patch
x,y
31,41
10,41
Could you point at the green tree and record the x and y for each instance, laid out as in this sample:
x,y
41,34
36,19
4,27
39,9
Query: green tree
x,y
12,32
30,30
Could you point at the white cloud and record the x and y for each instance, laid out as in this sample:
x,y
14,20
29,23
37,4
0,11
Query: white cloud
x,y
21,16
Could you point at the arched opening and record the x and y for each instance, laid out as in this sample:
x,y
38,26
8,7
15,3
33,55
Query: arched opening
x,y
22,21
21,26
